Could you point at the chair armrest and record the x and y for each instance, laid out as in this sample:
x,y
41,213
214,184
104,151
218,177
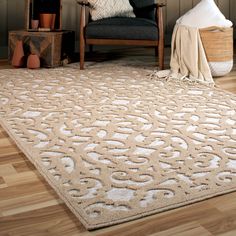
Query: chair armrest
x,y
159,16
160,5
83,3
156,2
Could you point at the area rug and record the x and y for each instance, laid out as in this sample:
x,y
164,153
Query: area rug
x,y
116,145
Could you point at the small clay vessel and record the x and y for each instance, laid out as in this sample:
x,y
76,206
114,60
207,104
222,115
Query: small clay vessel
x,y
33,61
46,20
18,55
53,21
34,24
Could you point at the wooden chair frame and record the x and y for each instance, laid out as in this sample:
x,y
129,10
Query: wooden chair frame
x,y
158,44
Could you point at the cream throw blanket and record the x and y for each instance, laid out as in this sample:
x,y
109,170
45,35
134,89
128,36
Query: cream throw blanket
x,y
188,59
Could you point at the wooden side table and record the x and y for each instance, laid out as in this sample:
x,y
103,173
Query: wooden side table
x,y
52,47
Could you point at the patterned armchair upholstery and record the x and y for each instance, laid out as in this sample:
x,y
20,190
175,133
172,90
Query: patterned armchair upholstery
x,y
146,29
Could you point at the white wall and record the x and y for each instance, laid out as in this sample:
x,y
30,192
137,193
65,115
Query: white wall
x,y
12,16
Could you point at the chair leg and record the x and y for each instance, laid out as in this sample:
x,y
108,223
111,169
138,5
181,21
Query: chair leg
x,y
82,38
82,52
161,43
161,56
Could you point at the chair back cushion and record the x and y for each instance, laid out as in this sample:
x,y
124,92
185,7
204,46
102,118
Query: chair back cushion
x,y
143,8
101,9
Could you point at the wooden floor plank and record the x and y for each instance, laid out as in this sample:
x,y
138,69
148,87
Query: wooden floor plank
x,y
24,202
226,223
192,228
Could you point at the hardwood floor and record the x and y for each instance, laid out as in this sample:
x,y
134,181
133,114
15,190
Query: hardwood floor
x,y
29,206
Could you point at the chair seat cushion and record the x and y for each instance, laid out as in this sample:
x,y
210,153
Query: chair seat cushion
x,y
122,28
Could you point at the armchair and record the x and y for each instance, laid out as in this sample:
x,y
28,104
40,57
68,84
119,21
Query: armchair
x,y
146,29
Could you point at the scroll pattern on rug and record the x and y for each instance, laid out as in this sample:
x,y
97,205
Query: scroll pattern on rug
x,y
116,145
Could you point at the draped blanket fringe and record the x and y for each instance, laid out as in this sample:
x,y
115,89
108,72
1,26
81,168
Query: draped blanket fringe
x,y
188,59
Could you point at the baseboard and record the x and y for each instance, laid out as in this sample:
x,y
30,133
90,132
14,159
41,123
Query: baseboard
x,y
3,52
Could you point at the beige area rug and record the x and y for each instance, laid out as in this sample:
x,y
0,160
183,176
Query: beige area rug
x,y
116,145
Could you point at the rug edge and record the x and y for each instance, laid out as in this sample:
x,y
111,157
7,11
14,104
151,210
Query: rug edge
x,y
9,131
87,225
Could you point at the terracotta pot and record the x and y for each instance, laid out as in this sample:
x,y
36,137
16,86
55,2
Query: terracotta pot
x,y
46,20
18,55
34,24
53,21
33,61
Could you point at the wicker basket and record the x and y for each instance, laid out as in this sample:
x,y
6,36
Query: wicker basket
x,y
218,43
